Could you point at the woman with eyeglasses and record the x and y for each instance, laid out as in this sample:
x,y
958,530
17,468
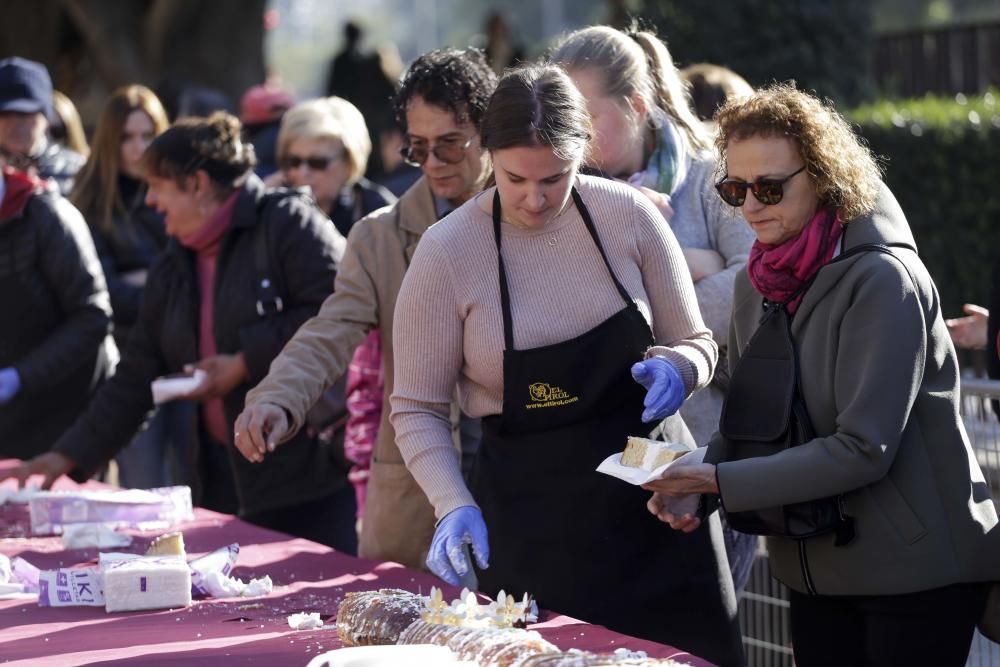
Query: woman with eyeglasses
x,y
540,298
645,133
323,144
886,526
244,268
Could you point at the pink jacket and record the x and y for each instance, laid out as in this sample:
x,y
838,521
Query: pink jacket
x,y
365,382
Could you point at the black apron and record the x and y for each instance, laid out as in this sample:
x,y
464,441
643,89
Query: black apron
x,y
579,541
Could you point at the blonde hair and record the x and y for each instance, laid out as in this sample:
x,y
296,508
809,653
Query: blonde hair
x,y
76,139
634,62
843,170
96,189
329,118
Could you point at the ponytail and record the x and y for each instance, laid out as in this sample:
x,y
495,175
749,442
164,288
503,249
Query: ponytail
x,y
670,92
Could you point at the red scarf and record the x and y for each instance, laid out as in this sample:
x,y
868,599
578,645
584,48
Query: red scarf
x,y
205,242
779,271
18,189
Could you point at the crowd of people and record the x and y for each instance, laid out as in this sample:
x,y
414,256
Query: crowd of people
x,y
430,374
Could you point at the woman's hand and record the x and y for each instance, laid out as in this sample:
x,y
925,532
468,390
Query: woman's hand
x,y
703,263
970,332
224,372
660,201
10,384
682,479
678,511
664,387
461,526
259,429
50,465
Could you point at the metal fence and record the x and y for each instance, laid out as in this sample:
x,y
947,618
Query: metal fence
x,y
948,60
767,636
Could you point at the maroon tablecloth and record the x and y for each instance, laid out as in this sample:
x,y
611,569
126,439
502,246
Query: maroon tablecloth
x,y
308,577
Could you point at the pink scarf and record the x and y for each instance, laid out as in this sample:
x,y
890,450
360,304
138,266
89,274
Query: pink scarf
x,y
779,271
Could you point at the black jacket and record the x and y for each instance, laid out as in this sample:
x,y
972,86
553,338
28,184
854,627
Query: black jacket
x,y
134,239
305,250
363,198
55,312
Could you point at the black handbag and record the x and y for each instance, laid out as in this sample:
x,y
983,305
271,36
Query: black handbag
x,y
764,413
327,418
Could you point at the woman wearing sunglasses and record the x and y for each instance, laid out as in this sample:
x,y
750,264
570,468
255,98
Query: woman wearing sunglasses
x,y
893,577
646,134
323,144
537,298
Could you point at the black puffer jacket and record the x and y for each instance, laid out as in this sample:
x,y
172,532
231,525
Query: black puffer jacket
x,y
131,242
305,250
55,312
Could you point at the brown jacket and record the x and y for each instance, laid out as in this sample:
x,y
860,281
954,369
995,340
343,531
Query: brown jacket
x,y
399,521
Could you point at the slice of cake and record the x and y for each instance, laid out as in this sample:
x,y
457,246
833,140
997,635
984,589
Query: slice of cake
x,y
650,454
171,544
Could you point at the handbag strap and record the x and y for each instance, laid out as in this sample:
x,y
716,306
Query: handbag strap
x,y
269,301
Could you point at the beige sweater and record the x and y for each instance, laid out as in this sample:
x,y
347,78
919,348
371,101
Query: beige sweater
x,y
449,326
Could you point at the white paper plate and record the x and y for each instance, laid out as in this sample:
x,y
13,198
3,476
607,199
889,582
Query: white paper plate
x,y
167,389
612,466
425,655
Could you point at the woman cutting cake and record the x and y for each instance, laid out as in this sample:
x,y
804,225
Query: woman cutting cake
x,y
537,298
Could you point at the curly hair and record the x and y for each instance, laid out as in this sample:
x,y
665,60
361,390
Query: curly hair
x,y
457,80
211,144
843,170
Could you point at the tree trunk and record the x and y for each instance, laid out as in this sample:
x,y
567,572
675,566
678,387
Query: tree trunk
x,y
92,47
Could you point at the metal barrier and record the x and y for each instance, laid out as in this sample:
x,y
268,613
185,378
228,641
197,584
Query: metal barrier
x,y
764,606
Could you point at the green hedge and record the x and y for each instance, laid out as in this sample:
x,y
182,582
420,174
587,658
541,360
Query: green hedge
x,y
942,161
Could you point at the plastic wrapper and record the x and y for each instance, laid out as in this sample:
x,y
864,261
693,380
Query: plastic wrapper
x,y
221,560
93,535
51,511
71,587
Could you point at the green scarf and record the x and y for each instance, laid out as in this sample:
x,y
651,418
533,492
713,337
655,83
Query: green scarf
x,y
667,166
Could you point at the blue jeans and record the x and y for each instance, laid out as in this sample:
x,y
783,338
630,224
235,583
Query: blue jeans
x,y
151,460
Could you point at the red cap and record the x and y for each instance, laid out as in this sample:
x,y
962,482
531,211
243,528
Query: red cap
x,y
264,104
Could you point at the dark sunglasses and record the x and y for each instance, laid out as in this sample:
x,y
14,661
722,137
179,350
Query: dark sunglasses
x,y
768,191
449,151
315,163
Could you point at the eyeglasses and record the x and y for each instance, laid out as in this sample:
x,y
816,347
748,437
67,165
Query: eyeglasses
x,y
449,151
314,162
768,191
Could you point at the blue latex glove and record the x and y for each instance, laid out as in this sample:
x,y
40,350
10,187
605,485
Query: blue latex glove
x,y
10,384
664,387
459,527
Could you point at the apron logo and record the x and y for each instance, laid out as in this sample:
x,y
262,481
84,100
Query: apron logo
x,y
544,395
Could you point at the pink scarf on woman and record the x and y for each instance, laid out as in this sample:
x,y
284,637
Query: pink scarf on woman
x,y
780,271
205,242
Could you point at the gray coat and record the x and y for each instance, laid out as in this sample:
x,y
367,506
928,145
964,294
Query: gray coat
x,y
880,380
